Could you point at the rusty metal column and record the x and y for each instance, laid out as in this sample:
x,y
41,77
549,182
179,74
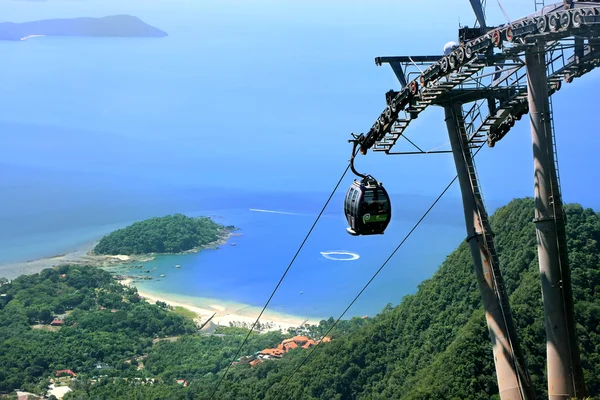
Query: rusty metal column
x,y
506,372
565,375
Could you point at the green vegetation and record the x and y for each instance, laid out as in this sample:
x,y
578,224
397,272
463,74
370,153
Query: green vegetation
x,y
171,234
434,345
184,312
106,323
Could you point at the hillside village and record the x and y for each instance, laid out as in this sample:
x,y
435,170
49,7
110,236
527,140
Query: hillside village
x,y
278,352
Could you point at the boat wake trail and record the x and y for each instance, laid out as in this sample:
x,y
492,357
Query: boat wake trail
x,y
340,255
273,212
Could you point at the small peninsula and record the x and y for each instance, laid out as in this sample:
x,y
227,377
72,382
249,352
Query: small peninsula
x,y
110,26
170,234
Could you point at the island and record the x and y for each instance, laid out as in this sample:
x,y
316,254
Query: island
x,y
175,233
110,26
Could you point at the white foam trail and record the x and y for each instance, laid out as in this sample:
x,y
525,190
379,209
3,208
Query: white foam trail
x,y
328,254
271,211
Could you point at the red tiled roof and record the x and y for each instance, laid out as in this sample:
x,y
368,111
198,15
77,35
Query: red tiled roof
x,y
301,339
272,352
65,371
290,345
255,362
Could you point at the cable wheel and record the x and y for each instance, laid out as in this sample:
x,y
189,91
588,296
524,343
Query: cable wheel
x,y
568,78
444,64
542,24
496,38
508,33
460,55
557,86
383,119
388,113
577,18
377,127
510,121
452,61
565,20
468,52
554,22
414,87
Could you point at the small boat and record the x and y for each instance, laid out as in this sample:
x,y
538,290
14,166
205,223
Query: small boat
x,y
162,275
178,266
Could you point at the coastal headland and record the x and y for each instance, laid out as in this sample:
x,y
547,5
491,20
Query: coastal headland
x,y
208,312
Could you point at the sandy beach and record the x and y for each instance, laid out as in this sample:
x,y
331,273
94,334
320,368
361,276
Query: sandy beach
x,y
79,256
224,314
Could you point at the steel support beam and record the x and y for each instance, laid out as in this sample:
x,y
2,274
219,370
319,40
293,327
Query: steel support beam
x,y
565,375
397,68
478,10
513,381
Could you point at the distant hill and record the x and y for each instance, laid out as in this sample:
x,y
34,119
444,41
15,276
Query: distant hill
x,y
171,234
110,26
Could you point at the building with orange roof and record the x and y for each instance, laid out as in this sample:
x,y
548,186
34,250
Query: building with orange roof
x,y
285,346
300,340
65,371
273,352
289,346
255,362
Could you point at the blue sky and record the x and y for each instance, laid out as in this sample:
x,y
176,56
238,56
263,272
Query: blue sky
x,y
270,91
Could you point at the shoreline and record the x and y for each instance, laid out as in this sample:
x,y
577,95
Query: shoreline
x,y
223,313
84,256
220,312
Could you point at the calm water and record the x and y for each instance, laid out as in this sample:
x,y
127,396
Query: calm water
x,y
247,269
230,113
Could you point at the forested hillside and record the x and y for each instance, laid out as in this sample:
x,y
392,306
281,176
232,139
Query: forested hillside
x,y
105,330
433,345
169,234
102,321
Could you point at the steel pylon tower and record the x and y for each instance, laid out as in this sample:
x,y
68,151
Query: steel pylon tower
x,y
486,83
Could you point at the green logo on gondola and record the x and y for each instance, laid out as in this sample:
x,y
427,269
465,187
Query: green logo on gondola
x,y
368,218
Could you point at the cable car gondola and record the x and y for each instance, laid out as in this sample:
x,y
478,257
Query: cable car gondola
x,y
367,205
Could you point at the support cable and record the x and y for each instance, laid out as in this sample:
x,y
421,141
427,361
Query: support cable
x,y
375,274
281,279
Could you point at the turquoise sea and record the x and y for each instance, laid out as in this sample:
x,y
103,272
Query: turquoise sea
x,y
242,107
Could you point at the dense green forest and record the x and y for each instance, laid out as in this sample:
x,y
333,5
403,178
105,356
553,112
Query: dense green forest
x,y
433,345
169,234
106,324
